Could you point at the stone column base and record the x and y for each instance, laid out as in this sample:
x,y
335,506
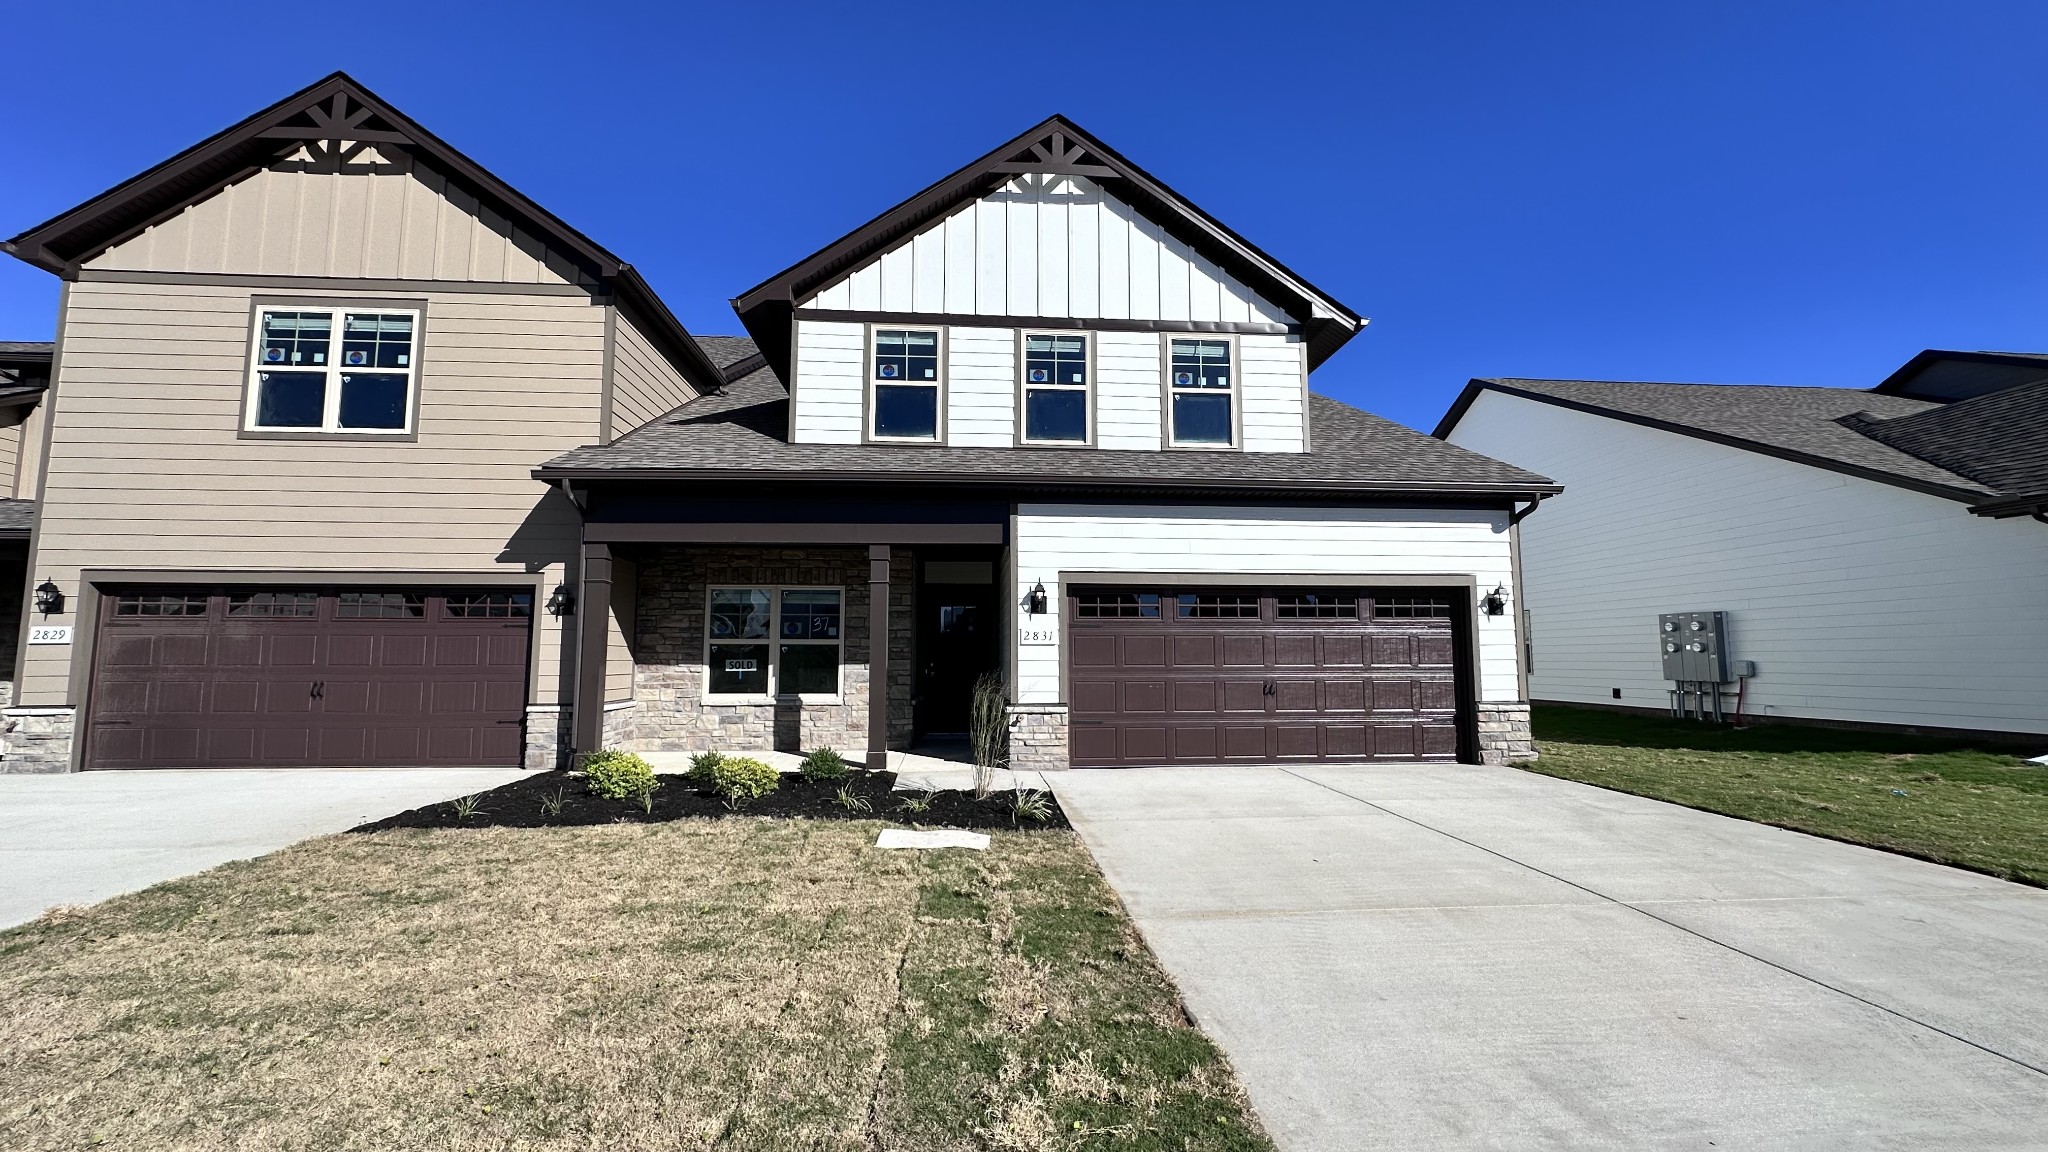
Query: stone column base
x,y
1504,736
547,739
37,739
1038,737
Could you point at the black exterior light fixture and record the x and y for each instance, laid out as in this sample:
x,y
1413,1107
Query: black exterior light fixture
x,y
561,601
49,598
1495,603
1035,603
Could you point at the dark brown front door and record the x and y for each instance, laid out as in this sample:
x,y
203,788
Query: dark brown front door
x,y
957,643
1216,676
309,678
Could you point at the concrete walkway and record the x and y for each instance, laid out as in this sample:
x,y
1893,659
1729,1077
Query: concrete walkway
x,y
82,837
1463,957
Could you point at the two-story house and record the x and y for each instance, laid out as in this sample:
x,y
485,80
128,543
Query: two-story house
x,y
355,455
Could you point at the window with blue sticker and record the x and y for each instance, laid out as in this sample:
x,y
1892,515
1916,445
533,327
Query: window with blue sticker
x,y
302,382
1055,388
905,385
764,642
1203,394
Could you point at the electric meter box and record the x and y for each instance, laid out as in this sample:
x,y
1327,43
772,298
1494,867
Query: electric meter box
x,y
1694,646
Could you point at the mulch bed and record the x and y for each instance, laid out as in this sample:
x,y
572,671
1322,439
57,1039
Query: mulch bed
x,y
519,805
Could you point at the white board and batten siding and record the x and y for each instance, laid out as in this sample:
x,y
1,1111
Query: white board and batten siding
x,y
1049,246
1858,601
1059,247
1334,543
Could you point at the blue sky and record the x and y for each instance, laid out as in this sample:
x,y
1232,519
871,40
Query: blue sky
x,y
1774,193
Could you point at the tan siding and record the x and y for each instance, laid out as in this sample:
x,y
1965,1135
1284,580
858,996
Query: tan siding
x,y
146,468
411,225
10,456
644,384
29,463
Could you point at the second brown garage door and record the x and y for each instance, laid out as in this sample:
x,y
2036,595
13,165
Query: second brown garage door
x,y
1206,676
200,678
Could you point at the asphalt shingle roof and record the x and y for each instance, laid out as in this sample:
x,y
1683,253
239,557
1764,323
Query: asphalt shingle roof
x,y
16,517
1999,439
1820,424
744,430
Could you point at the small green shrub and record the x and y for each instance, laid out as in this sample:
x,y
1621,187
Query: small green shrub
x,y
551,806
739,780
701,767
1031,804
618,775
467,807
917,805
852,801
824,764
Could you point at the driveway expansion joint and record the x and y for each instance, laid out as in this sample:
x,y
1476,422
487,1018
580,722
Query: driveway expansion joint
x,y
1641,910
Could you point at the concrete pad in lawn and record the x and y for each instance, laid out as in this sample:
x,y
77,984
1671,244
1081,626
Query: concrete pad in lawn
x,y
1396,975
78,838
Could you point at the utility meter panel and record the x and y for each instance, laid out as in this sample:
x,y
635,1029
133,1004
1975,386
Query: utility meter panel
x,y
1694,646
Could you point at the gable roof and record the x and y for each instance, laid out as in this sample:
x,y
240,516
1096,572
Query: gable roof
x,y
743,432
1942,374
332,122
1057,146
1999,439
1805,425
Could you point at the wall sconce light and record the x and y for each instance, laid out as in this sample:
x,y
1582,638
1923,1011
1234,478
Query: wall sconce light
x,y
1495,603
49,598
561,601
1035,603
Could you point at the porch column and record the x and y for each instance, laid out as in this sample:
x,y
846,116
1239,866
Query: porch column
x,y
593,630
878,657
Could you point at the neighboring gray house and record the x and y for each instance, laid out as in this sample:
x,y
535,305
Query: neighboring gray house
x,y
1882,554
357,456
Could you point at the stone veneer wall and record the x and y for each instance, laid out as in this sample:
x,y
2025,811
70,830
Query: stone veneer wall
x,y
1038,737
1504,735
37,739
668,652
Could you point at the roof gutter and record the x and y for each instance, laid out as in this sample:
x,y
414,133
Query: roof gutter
x,y
1531,492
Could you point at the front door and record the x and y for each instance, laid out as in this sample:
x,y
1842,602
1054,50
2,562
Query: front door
x,y
956,643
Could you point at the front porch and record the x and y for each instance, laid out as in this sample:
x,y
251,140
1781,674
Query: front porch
x,y
762,639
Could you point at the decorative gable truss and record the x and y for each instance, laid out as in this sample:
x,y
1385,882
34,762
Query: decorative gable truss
x,y
339,136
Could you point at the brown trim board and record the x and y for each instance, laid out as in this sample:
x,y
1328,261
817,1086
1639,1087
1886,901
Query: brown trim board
x,y
600,532
1063,323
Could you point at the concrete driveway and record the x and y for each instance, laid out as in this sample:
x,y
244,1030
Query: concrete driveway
x,y
1466,957
82,837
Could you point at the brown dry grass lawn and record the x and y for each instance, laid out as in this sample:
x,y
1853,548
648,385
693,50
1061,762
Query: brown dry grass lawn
x,y
742,984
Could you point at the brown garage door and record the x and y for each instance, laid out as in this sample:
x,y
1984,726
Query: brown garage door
x,y
308,678
1209,676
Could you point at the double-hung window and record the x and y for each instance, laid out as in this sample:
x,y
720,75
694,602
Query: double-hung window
x,y
1055,388
1201,394
333,370
765,642
903,385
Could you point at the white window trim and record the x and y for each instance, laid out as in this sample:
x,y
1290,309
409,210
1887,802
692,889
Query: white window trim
x,y
867,427
1235,392
330,416
774,642
1087,390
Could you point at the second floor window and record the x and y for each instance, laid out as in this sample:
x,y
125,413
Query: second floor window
x,y
1055,389
333,370
904,385
1201,394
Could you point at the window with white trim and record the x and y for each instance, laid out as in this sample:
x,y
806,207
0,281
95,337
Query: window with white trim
x,y
767,641
1055,388
333,370
1202,394
903,385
